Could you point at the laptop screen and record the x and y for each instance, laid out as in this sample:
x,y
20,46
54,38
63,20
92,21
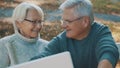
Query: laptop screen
x,y
60,60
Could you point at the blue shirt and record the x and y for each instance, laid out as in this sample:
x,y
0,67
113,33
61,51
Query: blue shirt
x,y
88,52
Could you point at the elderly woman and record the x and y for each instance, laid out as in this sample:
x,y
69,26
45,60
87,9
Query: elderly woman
x,y
25,42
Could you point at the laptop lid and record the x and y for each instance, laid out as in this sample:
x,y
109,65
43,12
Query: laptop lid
x,y
60,60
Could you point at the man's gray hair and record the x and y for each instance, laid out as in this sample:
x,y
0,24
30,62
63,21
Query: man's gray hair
x,y
20,12
81,8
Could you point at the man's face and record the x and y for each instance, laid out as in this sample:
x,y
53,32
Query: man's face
x,y
75,26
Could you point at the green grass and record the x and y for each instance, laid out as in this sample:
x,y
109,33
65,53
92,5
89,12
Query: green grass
x,y
106,6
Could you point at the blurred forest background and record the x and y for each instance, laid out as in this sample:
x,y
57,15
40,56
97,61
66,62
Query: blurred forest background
x,y
105,11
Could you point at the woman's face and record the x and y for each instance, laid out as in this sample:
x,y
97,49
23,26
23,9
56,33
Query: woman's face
x,y
31,25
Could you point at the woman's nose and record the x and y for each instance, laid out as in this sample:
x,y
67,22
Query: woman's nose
x,y
64,25
38,25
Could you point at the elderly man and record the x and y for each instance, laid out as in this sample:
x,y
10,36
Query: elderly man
x,y
91,44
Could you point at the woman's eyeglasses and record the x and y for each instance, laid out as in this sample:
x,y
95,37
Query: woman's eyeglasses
x,y
34,22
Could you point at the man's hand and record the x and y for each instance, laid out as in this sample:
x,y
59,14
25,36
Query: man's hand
x,y
105,64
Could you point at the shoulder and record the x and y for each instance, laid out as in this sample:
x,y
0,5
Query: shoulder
x,y
59,39
62,35
42,41
99,27
7,38
4,42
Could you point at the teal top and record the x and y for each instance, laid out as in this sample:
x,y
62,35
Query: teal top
x,y
88,52
15,49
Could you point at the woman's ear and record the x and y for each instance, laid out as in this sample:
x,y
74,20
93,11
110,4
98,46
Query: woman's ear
x,y
18,24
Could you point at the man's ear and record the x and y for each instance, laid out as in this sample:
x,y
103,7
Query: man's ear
x,y
86,21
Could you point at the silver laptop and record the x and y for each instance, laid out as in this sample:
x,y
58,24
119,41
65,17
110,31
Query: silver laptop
x,y
61,60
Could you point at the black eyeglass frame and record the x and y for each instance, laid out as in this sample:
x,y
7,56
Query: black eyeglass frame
x,y
34,22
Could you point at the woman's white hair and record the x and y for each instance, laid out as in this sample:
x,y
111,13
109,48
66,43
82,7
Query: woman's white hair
x,y
81,8
20,12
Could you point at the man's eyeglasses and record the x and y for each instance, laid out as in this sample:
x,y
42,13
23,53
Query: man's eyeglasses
x,y
68,22
34,22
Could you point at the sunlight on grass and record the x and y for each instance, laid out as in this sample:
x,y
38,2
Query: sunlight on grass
x,y
50,30
106,6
